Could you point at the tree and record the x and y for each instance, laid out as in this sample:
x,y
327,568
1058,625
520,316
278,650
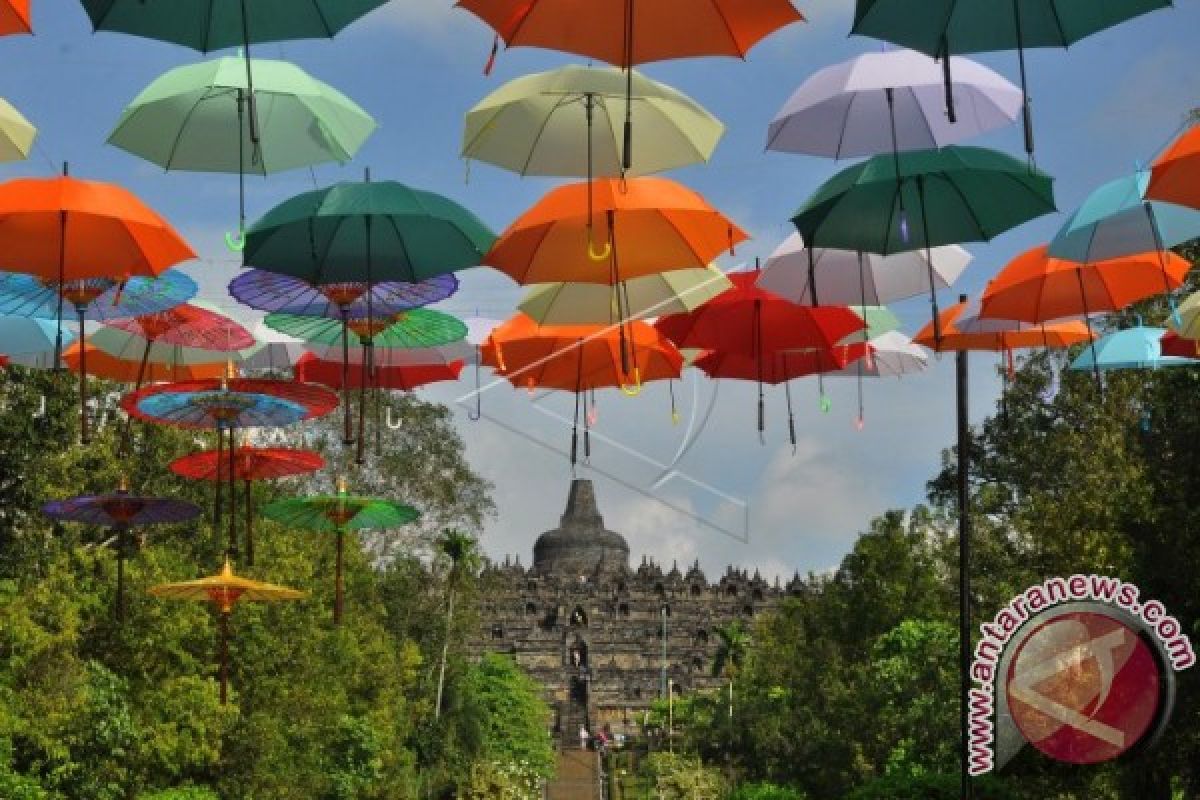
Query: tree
x,y
731,654
462,552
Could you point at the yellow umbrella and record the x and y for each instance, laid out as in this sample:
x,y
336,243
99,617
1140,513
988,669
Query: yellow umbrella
x,y
224,590
16,133
675,292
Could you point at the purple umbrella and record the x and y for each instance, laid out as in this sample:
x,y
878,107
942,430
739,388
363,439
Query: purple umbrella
x,y
119,512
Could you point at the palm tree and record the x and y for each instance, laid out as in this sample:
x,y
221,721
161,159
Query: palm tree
x,y
731,654
463,553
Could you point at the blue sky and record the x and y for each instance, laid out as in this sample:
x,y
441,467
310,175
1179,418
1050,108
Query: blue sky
x,y
1101,109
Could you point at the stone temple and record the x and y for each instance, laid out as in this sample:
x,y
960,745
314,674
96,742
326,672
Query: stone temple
x,y
605,640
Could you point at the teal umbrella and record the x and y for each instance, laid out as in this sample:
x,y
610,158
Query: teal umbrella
x,y
193,118
1132,348
921,200
942,28
420,327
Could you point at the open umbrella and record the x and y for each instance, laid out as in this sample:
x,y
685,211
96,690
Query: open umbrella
x,y
674,292
889,355
175,363
224,590
249,464
924,199
277,352
963,328
338,514
1188,326
1172,344
193,118
14,17
28,338
191,326
566,123
272,292
1133,348
16,132
947,28
1175,175
890,102
120,511
626,33
405,377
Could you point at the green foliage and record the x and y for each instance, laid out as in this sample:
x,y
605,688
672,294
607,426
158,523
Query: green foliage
x,y
765,791
489,780
681,777
930,787
506,713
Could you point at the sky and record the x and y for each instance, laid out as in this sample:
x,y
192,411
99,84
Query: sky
x,y
705,488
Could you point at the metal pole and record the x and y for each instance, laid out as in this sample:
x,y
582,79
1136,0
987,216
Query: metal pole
x,y
964,563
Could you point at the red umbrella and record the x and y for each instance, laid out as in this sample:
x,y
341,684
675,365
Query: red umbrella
x,y
1175,345
249,464
404,377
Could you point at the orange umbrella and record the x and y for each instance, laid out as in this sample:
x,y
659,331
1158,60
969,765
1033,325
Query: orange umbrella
x,y
1175,175
14,17
644,226
1036,287
579,358
102,365
962,330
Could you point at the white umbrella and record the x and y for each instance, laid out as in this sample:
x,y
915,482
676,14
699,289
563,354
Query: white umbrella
x,y
890,355
846,278
891,102
275,350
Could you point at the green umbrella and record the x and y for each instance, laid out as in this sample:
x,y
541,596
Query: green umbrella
x,y
337,514
942,28
365,233
420,327
924,199
193,118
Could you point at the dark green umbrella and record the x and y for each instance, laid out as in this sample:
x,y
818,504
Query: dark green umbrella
x,y
367,232
923,199
942,28
337,514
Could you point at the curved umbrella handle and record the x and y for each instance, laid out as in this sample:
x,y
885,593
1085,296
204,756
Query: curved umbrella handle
x,y
236,242
636,388
601,255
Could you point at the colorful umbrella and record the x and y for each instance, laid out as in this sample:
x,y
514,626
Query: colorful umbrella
x,y
954,27
175,365
277,352
1172,344
675,292
1175,175
223,590
963,328
891,355
843,277
405,378
14,17
271,292
337,514
249,464
924,199
887,103
1133,348
565,123
119,512
190,117
194,327
20,336
16,132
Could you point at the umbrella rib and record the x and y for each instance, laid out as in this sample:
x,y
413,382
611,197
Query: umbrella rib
x,y
845,125
538,137
182,127
948,177
1058,23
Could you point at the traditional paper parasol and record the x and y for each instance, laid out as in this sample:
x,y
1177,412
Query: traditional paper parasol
x,y
337,514
224,590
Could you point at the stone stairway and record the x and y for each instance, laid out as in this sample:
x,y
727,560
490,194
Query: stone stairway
x,y
577,777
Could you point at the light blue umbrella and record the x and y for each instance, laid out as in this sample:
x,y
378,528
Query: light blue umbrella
x,y
24,295
20,336
1132,348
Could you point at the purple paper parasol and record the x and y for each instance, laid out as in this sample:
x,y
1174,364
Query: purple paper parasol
x,y
268,291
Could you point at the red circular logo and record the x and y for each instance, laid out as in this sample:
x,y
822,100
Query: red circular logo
x,y
1083,688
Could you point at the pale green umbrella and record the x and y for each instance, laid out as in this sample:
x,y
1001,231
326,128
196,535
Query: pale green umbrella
x,y
879,319
568,123
675,292
194,118
16,133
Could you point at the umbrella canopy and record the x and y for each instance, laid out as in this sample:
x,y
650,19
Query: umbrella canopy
x,y
779,366
101,299
642,226
65,229
193,118
1173,344
208,25
16,132
277,351
1133,348
567,122
250,464
193,326
674,292
209,404
842,280
890,354
14,17
20,336
223,591
890,102
400,377
1036,286
963,329
420,327
130,347
1188,325
1175,175
367,233
337,514
268,291
101,364
879,320
442,355
1117,220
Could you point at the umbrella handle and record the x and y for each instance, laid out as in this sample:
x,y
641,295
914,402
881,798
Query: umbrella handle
x,y
236,242
601,255
635,389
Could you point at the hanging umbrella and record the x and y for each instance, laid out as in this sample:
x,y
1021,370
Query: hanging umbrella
x,y
956,27
190,117
223,590
844,277
337,514
566,123
249,464
271,292
20,336
131,348
879,320
14,17
119,512
1175,175
109,367
889,355
401,377
580,359
389,357
1133,348
276,351
1172,344
963,328
1188,326
16,132
890,102
675,292
626,33
921,200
